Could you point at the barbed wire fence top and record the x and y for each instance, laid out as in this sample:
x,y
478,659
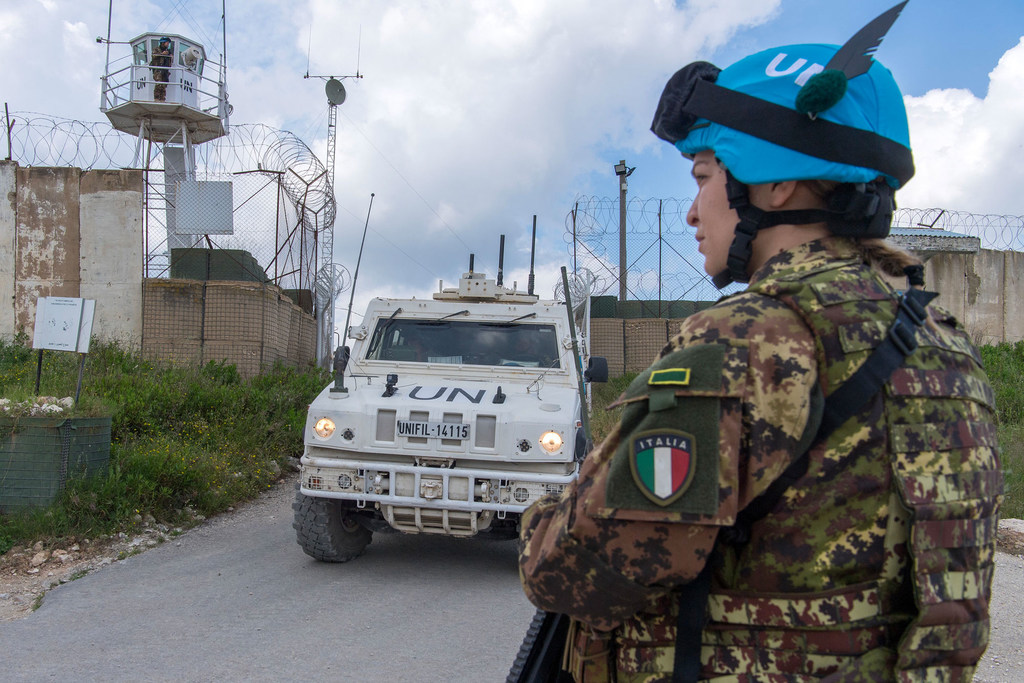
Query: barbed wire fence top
x,y
274,221
662,260
282,199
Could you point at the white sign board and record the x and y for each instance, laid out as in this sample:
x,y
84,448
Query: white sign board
x,y
63,323
204,207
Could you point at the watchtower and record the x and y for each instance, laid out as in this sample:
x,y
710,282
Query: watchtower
x,y
165,94
168,92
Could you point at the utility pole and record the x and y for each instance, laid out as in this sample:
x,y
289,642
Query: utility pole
x,y
623,172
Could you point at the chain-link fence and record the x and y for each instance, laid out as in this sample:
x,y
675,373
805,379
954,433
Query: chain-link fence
x,y
664,266
258,206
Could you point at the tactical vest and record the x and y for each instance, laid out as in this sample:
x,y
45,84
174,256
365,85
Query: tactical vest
x,y
878,561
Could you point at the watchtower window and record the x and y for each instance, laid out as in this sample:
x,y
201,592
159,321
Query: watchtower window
x,y
155,46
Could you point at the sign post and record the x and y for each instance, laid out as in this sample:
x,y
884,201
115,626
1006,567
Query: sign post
x,y
63,324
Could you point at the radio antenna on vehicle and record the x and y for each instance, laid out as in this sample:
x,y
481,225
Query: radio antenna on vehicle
x,y
533,249
501,260
352,294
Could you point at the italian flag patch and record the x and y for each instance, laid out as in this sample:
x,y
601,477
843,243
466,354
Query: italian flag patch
x,y
663,464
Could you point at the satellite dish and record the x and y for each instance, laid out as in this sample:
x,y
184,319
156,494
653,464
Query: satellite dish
x,y
335,91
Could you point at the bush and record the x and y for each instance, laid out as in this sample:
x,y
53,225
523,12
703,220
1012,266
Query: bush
x,y
185,442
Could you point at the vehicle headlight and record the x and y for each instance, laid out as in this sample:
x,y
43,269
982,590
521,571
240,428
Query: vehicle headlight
x,y
324,427
551,441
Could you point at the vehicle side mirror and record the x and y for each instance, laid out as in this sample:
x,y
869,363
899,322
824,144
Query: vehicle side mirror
x,y
341,356
597,369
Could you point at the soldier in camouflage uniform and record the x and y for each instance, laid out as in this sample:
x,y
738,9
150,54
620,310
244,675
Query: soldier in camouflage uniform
x,y
676,554
162,56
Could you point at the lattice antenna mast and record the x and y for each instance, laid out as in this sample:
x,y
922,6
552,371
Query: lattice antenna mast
x,y
327,281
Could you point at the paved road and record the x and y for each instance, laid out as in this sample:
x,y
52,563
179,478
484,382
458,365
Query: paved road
x,y
237,600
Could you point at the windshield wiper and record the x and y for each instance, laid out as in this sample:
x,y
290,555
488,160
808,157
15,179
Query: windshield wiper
x,y
452,315
513,321
379,332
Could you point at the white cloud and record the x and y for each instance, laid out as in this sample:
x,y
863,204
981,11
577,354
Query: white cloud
x,y
967,149
472,117
493,111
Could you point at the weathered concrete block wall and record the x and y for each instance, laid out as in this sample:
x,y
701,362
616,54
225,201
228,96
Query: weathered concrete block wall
x,y
111,246
47,239
8,243
250,325
984,291
64,232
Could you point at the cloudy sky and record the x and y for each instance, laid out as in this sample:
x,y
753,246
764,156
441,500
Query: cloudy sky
x,y
474,115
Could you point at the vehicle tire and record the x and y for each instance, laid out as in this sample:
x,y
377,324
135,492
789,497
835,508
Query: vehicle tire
x,y
326,531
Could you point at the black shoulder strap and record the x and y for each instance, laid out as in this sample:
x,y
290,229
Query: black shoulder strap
x,y
693,602
844,403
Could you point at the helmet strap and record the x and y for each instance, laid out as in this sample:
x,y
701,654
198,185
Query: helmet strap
x,y
753,219
742,244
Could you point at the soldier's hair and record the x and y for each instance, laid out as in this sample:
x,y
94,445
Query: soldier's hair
x,y
886,256
876,252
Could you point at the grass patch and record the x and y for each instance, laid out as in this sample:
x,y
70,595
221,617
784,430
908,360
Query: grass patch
x,y
602,421
1004,364
184,443
190,443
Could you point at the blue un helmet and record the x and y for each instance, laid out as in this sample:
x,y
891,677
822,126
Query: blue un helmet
x,y
799,112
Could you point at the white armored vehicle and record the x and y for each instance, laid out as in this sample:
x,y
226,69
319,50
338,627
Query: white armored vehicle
x,y
452,416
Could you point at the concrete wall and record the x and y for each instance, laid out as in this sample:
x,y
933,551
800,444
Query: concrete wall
x,y
111,251
46,234
64,232
8,242
983,291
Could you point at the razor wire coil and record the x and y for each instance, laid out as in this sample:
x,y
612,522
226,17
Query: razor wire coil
x,y
662,260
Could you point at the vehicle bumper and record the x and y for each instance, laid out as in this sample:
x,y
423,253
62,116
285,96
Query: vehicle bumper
x,y
395,487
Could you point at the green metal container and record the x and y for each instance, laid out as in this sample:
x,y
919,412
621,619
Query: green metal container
x,y
38,455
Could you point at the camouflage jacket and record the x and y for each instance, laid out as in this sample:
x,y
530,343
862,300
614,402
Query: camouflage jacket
x,y
824,584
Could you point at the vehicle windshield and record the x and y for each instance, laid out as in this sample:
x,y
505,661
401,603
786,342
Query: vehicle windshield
x,y
464,342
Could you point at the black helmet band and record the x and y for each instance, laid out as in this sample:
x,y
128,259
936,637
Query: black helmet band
x,y
672,119
787,128
691,94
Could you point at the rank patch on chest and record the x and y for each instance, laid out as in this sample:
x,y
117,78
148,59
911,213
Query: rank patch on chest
x,y
676,376
662,462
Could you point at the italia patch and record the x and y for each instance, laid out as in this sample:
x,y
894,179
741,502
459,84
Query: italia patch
x,y
663,463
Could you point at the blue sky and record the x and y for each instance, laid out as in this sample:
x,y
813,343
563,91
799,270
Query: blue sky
x,y
475,115
935,44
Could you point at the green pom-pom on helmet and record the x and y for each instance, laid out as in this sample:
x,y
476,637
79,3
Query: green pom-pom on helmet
x,y
821,92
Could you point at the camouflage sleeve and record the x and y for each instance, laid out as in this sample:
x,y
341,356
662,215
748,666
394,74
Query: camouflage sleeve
x,y
703,431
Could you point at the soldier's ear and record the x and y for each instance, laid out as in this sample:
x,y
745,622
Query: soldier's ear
x,y
773,196
781,193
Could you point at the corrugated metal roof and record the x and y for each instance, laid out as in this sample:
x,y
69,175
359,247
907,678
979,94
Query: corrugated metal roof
x,y
928,232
